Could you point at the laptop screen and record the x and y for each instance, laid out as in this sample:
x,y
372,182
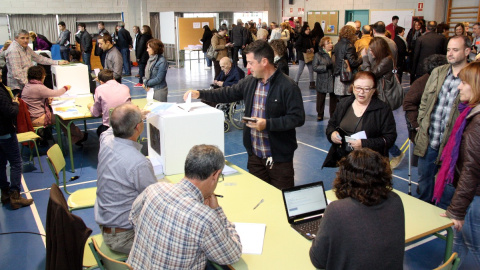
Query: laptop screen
x,y
306,200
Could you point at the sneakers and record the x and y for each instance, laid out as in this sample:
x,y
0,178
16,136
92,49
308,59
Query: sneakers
x,y
208,68
395,161
17,201
5,195
138,85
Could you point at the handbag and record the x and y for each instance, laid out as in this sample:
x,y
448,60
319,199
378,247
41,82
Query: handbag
x,y
390,91
346,74
308,57
211,53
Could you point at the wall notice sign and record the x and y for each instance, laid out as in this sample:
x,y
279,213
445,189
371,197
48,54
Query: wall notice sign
x,y
291,10
205,23
420,6
196,25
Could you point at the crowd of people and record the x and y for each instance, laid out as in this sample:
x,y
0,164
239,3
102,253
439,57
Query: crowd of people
x,y
362,73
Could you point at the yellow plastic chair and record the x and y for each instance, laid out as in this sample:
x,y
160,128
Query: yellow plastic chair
x,y
30,137
452,264
80,199
106,258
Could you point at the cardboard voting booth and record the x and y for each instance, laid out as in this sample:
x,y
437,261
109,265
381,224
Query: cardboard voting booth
x,y
174,132
75,75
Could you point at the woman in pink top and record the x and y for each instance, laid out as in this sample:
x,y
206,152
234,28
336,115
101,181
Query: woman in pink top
x,y
38,98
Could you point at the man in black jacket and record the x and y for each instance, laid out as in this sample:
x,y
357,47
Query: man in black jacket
x,y
274,102
124,45
98,51
9,151
239,40
428,44
85,40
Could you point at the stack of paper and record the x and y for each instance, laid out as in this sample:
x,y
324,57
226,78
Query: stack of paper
x,y
227,170
251,236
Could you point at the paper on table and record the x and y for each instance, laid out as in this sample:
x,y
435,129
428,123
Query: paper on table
x,y
251,236
227,170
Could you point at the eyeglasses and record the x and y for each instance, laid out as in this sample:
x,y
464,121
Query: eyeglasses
x,y
221,179
365,89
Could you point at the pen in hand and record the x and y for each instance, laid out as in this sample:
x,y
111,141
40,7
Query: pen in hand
x,y
261,201
218,196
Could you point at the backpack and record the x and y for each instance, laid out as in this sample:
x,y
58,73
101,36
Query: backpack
x,y
211,53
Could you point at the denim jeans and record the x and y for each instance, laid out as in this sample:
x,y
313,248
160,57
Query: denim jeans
x,y
9,151
468,239
86,61
65,54
394,151
126,61
300,70
209,61
447,196
427,169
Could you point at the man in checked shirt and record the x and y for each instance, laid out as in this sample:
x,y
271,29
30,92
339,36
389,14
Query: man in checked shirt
x,y
19,58
275,103
436,117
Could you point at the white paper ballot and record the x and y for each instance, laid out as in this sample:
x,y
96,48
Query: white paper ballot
x,y
97,70
188,103
227,170
357,136
150,94
251,236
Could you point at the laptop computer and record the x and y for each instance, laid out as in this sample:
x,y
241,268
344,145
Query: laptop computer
x,y
305,205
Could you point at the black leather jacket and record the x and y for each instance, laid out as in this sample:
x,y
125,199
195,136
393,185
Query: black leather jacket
x,y
283,111
8,112
344,49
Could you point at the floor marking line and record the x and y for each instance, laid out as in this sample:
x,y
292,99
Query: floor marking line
x,y
68,185
236,154
34,209
426,240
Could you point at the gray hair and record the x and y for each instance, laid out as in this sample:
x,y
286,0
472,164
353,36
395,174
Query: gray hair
x,y
202,161
124,119
21,32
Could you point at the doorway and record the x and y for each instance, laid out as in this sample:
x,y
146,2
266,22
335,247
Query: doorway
x,y
357,15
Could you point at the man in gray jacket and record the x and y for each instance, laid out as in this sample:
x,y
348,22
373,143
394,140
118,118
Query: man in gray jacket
x,y
64,41
239,40
113,57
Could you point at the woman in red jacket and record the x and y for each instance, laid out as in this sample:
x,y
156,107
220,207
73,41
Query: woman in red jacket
x,y
461,165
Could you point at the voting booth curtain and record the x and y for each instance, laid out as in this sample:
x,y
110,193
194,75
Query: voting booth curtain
x,y
40,24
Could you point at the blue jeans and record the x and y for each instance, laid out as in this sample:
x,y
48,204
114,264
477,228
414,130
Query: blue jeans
x,y
86,60
427,169
209,61
394,151
447,196
10,152
65,54
126,61
468,239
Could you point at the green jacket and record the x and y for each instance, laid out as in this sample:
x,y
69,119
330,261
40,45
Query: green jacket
x,y
429,99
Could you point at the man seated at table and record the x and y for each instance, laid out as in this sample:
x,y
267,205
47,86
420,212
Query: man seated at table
x,y
229,75
181,226
108,95
123,173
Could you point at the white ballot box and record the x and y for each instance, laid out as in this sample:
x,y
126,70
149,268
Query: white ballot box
x,y
75,75
172,133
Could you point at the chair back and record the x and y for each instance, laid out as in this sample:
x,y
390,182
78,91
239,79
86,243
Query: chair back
x,y
452,264
56,160
107,262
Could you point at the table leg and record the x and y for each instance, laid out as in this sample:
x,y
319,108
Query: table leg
x,y
59,135
69,137
449,245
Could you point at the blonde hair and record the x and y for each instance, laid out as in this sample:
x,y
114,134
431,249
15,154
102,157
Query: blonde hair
x,y
471,75
7,44
32,35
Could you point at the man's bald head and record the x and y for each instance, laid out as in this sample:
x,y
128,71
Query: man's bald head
x,y
124,119
366,29
225,61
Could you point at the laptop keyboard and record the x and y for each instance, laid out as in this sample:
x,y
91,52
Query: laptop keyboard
x,y
308,228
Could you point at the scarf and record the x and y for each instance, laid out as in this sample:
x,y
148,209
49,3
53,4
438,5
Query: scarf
x,y
450,153
151,61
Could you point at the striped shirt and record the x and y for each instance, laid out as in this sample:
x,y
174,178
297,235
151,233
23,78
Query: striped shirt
x,y
260,142
442,109
174,229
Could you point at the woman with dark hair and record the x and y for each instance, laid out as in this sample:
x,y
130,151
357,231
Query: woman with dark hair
x,y
156,71
365,227
362,111
344,50
206,42
402,51
459,29
460,167
280,51
317,35
141,52
413,35
115,35
38,98
304,44
323,66
220,45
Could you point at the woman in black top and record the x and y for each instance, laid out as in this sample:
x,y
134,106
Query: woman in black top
x,y
317,35
304,44
142,54
207,41
323,66
362,111
402,50
280,51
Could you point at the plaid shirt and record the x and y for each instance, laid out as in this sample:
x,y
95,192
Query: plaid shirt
x,y
19,59
441,111
175,230
260,142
